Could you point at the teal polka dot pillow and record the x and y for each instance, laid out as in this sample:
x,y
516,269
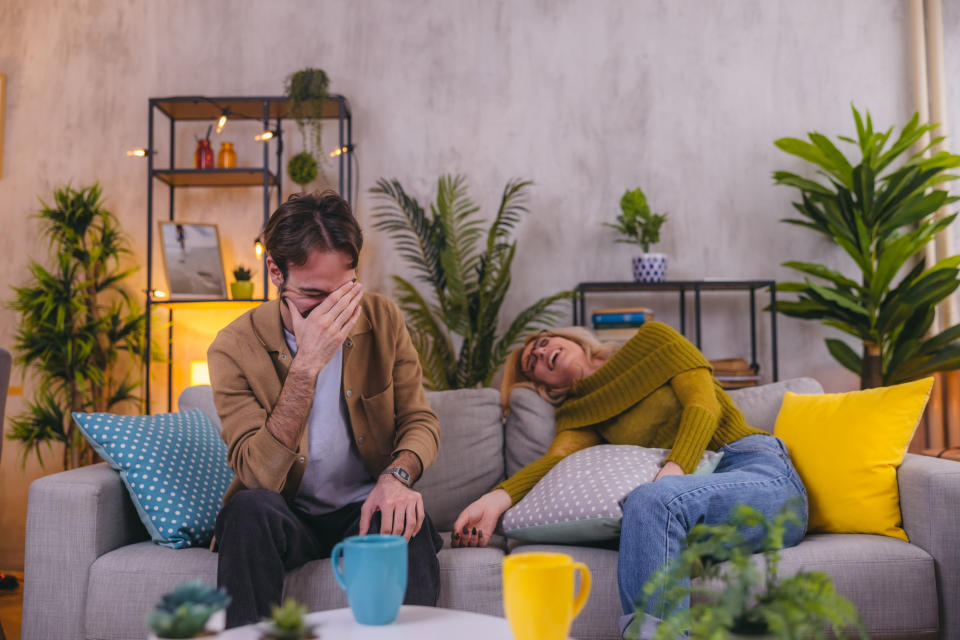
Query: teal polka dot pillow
x,y
173,464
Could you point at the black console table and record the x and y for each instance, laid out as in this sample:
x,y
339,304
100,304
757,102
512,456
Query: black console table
x,y
697,287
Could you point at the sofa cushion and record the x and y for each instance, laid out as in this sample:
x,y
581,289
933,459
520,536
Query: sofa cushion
x,y
847,447
119,596
579,499
760,405
470,461
529,429
173,464
892,583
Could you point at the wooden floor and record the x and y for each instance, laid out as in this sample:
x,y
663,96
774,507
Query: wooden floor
x,y
11,609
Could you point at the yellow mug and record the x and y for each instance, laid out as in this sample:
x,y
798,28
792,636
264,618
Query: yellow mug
x,y
538,594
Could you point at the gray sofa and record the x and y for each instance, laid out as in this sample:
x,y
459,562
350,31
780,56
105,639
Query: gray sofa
x,y
91,571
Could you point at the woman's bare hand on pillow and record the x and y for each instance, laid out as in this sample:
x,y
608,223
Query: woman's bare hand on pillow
x,y
476,523
669,468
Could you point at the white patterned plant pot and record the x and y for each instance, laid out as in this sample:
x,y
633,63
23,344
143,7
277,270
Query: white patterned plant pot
x,y
650,267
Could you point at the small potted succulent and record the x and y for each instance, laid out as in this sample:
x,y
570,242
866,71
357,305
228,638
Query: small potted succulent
x,y
287,623
192,610
641,227
739,598
243,287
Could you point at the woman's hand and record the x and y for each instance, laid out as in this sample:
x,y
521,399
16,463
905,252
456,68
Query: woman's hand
x,y
476,523
670,468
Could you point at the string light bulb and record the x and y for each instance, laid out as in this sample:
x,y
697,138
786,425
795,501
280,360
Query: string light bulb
x,y
263,136
158,293
339,151
258,247
139,152
222,122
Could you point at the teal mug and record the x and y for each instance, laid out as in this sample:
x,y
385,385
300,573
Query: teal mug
x,y
374,575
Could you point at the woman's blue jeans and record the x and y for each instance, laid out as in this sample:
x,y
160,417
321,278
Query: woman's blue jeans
x,y
755,470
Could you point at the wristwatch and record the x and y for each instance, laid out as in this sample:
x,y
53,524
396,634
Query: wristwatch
x,y
400,474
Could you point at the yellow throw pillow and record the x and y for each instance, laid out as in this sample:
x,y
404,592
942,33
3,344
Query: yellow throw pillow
x,y
847,447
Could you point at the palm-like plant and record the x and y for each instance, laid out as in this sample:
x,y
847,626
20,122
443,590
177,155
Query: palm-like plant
x,y
468,272
882,221
76,322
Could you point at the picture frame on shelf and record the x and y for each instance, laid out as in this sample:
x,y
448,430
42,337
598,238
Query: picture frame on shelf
x,y
193,260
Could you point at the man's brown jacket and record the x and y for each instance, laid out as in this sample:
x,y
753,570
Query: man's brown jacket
x,y
386,405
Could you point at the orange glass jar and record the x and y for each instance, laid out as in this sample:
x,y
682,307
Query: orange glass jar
x,y
226,157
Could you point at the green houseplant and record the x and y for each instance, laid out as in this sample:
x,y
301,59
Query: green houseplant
x,y
640,226
882,217
189,612
467,271
307,92
242,288
80,332
739,598
287,623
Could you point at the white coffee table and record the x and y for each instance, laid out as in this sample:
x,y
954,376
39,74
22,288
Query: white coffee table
x,y
413,623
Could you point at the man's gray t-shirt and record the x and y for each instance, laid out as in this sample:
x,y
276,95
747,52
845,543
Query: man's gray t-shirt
x,y
335,475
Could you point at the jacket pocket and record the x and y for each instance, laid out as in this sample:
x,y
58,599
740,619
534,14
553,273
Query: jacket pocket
x,y
381,424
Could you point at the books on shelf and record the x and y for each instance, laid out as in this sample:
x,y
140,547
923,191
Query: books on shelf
x,y
619,324
734,373
620,317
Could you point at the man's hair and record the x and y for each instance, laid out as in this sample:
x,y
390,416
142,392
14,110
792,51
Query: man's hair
x,y
318,221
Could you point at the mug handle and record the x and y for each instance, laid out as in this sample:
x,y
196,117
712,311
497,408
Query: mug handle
x,y
335,556
585,582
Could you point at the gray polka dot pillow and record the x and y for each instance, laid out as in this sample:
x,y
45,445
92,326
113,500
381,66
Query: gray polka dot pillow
x,y
579,499
174,466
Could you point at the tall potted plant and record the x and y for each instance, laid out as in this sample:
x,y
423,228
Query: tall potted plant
x,y
879,208
468,273
80,332
640,226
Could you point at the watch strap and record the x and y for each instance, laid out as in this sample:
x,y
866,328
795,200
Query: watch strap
x,y
400,474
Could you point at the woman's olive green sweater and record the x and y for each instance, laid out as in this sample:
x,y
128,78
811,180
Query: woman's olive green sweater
x,y
656,391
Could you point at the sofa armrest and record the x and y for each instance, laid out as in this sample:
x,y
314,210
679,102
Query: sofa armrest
x,y
73,518
929,503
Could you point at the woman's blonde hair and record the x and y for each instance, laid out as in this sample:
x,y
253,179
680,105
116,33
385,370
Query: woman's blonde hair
x,y
513,375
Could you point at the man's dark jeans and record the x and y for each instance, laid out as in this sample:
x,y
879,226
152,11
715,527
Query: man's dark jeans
x,y
260,537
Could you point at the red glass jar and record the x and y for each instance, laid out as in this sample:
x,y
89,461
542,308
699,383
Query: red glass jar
x,y
203,156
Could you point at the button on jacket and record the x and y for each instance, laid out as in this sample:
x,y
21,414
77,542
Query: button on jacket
x,y
382,386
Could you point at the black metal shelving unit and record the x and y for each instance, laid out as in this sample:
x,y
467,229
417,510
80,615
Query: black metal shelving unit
x,y
697,287
267,110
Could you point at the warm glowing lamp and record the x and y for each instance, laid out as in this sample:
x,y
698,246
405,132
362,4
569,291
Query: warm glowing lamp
x,y
157,293
263,136
222,122
139,152
199,374
258,247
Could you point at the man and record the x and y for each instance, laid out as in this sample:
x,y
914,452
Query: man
x,y
324,415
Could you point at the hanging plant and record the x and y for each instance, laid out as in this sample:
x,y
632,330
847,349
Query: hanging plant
x,y
302,168
306,91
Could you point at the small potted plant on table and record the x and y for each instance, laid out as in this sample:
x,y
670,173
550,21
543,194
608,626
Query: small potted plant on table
x,y
192,610
738,597
287,623
243,287
641,227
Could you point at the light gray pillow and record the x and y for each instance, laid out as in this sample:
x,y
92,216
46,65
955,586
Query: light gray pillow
x,y
579,499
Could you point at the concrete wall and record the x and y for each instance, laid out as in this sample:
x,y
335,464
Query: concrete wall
x,y
585,98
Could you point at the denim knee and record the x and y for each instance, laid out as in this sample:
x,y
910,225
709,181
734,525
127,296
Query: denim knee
x,y
644,500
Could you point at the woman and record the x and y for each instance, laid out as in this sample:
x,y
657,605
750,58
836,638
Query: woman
x,y
655,391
